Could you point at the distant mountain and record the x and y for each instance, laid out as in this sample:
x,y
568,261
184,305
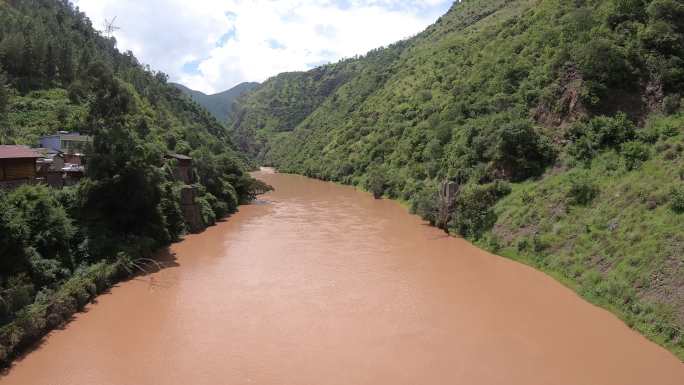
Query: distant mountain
x,y
220,105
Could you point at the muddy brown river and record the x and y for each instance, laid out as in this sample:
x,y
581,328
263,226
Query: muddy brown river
x,y
319,284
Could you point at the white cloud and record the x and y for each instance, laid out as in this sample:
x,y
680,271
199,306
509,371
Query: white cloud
x,y
212,45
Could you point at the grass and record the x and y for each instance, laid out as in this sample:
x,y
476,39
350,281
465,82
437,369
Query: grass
x,y
623,249
40,113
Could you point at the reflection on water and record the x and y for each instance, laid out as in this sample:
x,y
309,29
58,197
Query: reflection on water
x,y
320,284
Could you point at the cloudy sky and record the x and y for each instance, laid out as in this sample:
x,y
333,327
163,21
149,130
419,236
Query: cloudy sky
x,y
212,45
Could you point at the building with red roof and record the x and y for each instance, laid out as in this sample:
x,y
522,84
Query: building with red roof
x,y
17,164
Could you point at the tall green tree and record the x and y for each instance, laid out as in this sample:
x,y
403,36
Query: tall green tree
x,y
50,63
66,64
12,52
4,94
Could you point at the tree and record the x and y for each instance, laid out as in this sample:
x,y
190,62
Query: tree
x,y
124,191
12,49
50,63
123,196
4,94
28,59
34,229
521,152
377,181
474,212
66,65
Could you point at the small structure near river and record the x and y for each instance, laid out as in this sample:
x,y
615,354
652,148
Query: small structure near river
x,y
181,167
191,210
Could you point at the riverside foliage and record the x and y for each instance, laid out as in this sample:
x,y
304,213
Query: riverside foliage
x,y
561,121
59,248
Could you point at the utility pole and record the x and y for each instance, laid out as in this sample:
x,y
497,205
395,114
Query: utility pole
x,y
110,27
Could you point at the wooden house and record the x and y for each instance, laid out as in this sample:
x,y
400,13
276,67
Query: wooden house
x,y
17,165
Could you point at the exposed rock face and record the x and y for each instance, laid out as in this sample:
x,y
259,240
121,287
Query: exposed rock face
x,y
569,107
654,95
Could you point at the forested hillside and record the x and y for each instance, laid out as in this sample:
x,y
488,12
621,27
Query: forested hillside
x,y
59,248
560,121
219,105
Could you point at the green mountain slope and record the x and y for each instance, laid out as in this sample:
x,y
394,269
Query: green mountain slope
x,y
560,121
220,105
59,248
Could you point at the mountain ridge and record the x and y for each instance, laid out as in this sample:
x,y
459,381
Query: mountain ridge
x,y
219,104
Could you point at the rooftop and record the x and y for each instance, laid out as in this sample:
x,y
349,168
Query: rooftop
x,y
17,152
76,138
179,156
70,136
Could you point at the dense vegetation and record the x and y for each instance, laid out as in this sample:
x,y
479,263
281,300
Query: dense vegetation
x,y
59,248
561,121
219,105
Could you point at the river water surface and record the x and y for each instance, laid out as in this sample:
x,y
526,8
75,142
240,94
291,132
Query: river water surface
x,y
320,284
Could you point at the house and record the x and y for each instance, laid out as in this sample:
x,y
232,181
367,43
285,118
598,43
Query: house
x,y
50,167
51,160
183,167
73,173
74,158
17,165
66,142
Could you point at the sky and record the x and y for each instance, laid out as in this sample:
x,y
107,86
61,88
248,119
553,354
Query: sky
x,y
213,45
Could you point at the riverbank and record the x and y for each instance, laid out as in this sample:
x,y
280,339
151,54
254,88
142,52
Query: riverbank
x,y
53,310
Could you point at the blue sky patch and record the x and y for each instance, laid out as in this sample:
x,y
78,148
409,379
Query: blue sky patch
x,y
275,44
226,37
192,68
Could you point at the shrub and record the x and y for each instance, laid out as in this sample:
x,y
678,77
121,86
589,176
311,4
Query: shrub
x,y
206,211
677,198
582,190
635,153
521,151
658,128
604,62
4,92
171,210
77,92
584,148
377,182
425,203
17,293
219,208
599,133
474,212
527,197
34,226
671,104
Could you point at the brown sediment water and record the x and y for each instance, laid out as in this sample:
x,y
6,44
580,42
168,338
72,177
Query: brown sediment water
x,y
321,284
